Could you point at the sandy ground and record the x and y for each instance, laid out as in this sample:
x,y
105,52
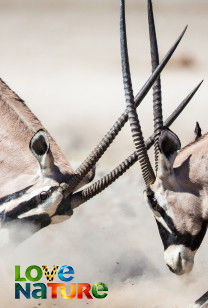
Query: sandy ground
x,y
63,59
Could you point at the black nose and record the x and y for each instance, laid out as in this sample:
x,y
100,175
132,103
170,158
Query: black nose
x,y
170,268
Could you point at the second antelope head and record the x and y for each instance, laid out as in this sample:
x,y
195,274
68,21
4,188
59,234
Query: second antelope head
x,y
178,193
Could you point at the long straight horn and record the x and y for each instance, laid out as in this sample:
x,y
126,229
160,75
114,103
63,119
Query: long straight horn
x,y
157,97
147,171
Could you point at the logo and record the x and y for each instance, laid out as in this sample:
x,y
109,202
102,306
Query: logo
x,y
28,285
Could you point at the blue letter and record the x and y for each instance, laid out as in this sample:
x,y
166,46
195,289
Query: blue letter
x,y
69,271
42,291
19,288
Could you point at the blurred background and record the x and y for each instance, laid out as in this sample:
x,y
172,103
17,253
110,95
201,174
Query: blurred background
x,y
63,58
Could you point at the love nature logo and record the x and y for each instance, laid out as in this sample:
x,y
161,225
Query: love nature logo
x,y
40,290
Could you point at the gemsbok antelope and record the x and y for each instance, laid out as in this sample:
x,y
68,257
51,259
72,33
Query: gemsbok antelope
x,y
177,192
37,184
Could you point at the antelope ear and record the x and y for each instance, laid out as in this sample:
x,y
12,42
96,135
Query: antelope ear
x,y
40,147
169,144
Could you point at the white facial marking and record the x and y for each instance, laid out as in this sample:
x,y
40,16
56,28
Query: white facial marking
x,y
159,195
163,223
8,206
48,206
161,199
179,258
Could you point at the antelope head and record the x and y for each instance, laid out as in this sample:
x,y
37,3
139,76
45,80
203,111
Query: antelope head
x,y
175,192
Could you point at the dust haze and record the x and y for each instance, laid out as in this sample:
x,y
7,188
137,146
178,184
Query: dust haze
x,y
62,57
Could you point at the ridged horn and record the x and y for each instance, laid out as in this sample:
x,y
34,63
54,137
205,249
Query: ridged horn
x,y
97,187
157,95
146,168
201,301
103,145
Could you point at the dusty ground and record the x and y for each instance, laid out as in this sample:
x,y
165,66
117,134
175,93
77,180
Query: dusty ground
x,y
62,58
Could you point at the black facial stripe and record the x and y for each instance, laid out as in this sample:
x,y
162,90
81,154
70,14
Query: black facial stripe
x,y
24,207
175,238
14,195
155,206
166,218
190,241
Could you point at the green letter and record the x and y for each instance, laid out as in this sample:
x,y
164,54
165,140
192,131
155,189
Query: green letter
x,y
42,291
96,289
17,274
39,273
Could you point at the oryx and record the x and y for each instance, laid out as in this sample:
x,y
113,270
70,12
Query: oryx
x,y
178,193
37,184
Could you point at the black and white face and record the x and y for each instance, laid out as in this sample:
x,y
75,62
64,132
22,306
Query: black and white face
x,y
38,204
181,234
42,199
176,211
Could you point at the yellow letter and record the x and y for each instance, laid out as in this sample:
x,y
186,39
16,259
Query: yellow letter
x,y
49,276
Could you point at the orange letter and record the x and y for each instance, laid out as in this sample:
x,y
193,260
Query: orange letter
x,y
54,287
73,292
86,291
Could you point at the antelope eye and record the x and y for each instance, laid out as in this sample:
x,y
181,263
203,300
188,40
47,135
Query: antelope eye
x,y
43,195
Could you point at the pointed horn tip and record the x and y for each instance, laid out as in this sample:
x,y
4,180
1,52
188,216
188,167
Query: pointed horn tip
x,y
200,83
182,34
198,86
184,31
179,39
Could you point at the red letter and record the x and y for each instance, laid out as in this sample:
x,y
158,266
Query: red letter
x,y
86,291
